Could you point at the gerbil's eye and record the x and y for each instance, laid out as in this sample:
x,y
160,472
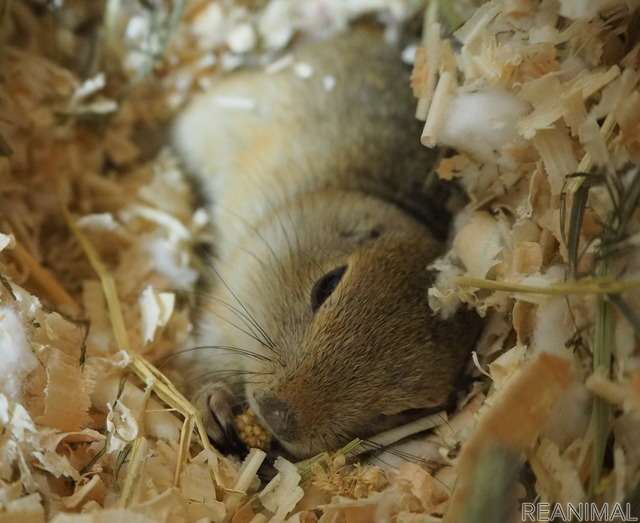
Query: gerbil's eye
x,y
325,286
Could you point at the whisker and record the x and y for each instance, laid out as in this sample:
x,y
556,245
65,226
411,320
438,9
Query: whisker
x,y
236,350
246,317
248,320
229,373
372,446
274,203
380,460
249,333
267,344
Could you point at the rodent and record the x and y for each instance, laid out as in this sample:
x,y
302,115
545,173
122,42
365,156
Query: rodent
x,y
314,183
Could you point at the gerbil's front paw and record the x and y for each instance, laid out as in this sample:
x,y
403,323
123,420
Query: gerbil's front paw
x,y
215,402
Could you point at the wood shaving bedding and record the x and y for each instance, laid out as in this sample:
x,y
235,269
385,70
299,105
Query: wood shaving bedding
x,y
565,71
84,439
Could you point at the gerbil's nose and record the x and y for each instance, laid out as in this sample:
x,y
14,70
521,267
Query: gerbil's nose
x,y
279,416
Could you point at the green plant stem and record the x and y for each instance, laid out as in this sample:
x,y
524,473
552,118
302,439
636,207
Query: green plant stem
x,y
601,410
450,14
492,497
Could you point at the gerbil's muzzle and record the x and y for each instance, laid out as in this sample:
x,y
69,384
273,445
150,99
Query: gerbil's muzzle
x,y
279,417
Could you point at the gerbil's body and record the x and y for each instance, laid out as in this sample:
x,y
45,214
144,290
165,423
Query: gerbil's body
x,y
320,268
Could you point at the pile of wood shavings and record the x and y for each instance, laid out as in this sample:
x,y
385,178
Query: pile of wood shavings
x,y
528,94
96,229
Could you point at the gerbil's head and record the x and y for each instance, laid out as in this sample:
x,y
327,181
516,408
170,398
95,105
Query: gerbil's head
x,y
350,345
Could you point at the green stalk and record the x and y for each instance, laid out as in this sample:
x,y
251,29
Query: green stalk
x,y
601,410
305,468
492,498
450,14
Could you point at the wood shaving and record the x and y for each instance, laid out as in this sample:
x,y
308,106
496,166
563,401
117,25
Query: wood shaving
x,y
352,481
579,91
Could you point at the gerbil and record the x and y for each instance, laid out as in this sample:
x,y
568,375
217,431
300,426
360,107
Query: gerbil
x,y
314,177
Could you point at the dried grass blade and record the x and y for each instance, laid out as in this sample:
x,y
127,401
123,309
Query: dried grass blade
x,y
576,217
108,284
43,279
185,443
96,456
5,283
120,460
138,456
385,439
582,286
625,203
305,468
143,369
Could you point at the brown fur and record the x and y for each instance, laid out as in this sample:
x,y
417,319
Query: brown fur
x,y
308,181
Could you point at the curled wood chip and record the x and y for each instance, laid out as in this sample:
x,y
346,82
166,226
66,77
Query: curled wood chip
x,y
67,396
427,63
156,309
426,489
122,424
283,492
105,516
527,257
561,472
94,489
246,477
557,155
479,244
523,320
197,484
516,415
506,365
601,385
27,509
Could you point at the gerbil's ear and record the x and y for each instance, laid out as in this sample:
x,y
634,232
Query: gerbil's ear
x,y
360,236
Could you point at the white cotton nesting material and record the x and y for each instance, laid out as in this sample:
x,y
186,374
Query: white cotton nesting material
x,y
584,9
174,266
15,353
482,123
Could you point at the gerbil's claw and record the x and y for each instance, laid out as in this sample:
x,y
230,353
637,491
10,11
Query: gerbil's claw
x,y
215,403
